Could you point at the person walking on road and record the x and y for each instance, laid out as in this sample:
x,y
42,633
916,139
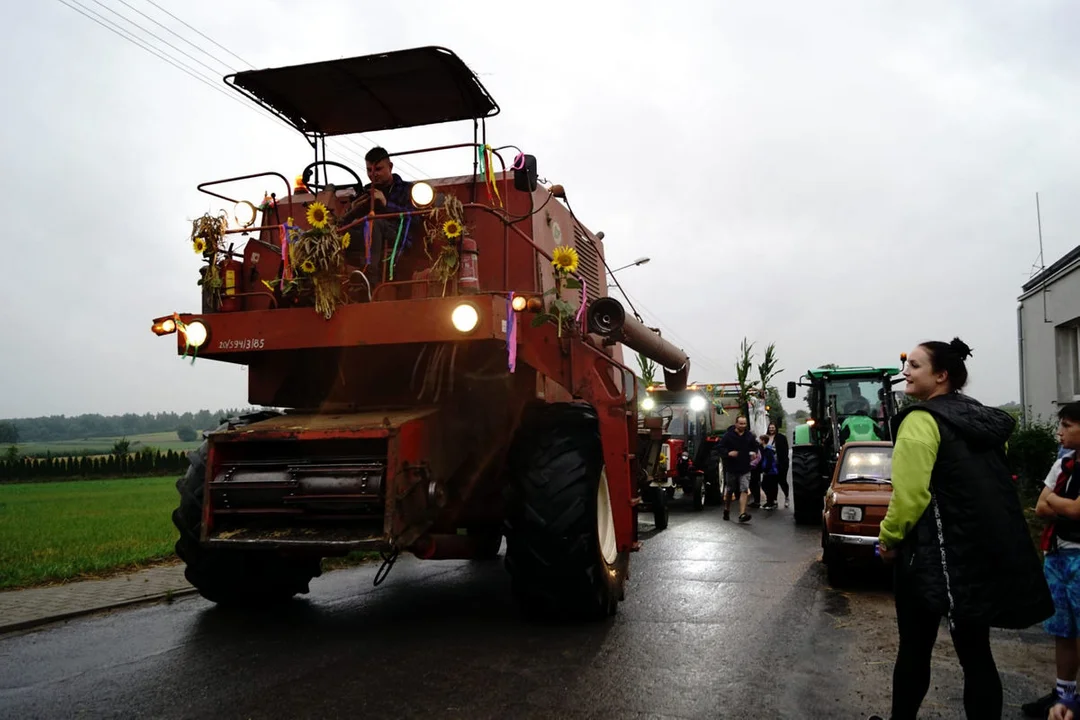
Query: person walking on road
x,y
776,444
956,533
738,448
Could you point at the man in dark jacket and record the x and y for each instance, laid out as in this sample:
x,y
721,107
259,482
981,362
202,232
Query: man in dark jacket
x,y
738,447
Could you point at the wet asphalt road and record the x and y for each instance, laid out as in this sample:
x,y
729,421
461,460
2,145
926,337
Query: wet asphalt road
x,y
720,620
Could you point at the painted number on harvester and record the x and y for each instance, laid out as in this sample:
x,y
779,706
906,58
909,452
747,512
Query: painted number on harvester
x,y
244,344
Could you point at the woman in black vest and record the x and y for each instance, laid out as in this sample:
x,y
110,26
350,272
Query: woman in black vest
x,y
956,533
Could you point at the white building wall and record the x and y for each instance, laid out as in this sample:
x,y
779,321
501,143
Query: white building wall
x,y
1049,345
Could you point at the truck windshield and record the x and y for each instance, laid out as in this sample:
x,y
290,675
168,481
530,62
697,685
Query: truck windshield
x,y
867,464
856,397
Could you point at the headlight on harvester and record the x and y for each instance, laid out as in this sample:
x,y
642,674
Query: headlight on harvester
x,y
244,214
697,403
196,333
648,404
465,318
164,326
422,194
519,303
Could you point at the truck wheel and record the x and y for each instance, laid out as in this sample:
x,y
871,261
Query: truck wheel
x,y
561,550
660,507
232,577
835,569
698,494
806,485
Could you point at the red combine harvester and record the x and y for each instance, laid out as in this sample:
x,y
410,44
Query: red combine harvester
x,y
457,382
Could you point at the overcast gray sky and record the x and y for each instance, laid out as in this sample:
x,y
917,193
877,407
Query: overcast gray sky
x,y
844,179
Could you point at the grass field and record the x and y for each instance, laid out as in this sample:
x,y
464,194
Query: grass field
x,y
101,445
57,531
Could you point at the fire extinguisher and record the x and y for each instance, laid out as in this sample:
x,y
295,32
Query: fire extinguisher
x,y
468,277
230,279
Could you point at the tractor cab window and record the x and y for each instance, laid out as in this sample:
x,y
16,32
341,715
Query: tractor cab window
x,y
855,397
867,464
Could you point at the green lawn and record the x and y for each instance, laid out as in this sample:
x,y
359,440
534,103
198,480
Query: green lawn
x,y
102,445
56,531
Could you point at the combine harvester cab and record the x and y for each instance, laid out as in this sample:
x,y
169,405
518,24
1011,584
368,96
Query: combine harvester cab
x,y
848,404
451,381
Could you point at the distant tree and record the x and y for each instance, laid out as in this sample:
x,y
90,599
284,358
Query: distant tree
x,y
801,414
9,433
121,447
11,455
186,433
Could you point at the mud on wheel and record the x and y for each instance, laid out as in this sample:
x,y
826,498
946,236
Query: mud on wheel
x,y
806,486
225,576
561,550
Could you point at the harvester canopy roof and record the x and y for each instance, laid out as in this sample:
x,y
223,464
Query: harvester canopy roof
x,y
404,88
853,372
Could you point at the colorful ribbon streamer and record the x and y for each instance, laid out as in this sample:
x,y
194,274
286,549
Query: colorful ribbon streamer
x,y
584,290
511,333
394,253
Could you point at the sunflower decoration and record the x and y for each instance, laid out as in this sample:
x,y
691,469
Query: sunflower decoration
x,y
452,229
308,266
318,216
560,310
199,244
345,240
565,259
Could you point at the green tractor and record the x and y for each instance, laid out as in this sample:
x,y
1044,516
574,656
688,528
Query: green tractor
x,y
846,405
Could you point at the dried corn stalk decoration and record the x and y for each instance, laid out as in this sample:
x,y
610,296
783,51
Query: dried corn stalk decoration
x,y
208,240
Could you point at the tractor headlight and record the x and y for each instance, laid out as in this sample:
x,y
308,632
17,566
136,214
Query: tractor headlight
x,y
196,333
648,404
244,214
519,303
422,194
465,318
850,514
697,403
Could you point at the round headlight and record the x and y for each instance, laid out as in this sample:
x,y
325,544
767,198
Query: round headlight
x,y
244,213
697,403
648,404
465,318
422,194
519,303
196,333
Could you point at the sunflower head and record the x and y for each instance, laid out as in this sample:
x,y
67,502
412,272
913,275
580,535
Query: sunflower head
x,y
345,240
307,266
199,245
451,228
317,215
565,259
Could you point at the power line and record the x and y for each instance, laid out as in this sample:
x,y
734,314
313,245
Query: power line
x,y
201,35
161,55
343,140
168,29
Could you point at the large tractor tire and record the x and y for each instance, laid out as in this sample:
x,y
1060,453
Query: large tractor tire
x,y
249,578
809,495
561,550
661,512
697,493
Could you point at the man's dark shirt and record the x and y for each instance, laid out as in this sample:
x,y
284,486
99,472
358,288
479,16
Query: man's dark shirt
x,y
744,444
398,198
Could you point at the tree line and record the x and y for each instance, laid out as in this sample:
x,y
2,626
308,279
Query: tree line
x,y
137,464
77,427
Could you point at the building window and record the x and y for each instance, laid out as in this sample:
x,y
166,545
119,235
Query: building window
x,y
1067,340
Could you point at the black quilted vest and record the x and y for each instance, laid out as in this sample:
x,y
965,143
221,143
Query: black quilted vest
x,y
970,556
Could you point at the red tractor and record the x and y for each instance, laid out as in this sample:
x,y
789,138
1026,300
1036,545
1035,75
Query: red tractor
x,y
458,382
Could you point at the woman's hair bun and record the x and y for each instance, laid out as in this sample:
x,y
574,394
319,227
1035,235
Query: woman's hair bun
x,y
960,348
